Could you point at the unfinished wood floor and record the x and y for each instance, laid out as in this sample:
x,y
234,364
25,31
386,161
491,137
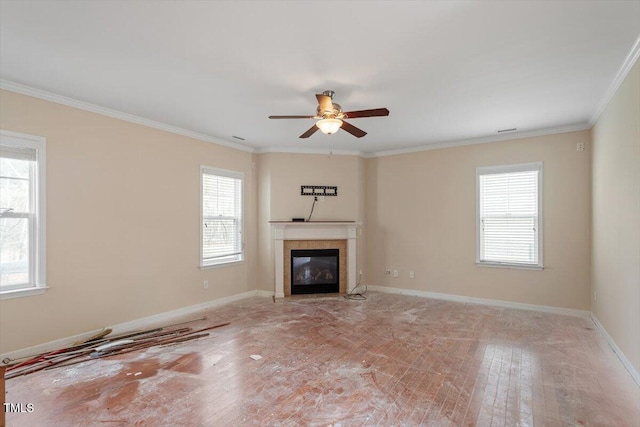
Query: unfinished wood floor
x,y
390,360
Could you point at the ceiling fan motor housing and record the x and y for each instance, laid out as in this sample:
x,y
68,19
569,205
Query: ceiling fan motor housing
x,y
336,112
329,93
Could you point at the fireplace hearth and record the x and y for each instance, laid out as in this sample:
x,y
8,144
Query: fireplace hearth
x,y
315,271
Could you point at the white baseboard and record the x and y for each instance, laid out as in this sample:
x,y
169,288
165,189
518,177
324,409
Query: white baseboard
x,y
155,320
627,364
267,294
483,301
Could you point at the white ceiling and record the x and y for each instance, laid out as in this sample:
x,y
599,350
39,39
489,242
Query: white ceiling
x,y
448,71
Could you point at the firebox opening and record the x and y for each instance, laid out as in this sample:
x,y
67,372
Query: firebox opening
x,y
315,271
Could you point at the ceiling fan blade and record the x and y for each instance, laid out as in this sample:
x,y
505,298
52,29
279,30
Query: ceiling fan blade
x,y
325,103
310,132
357,132
376,112
292,117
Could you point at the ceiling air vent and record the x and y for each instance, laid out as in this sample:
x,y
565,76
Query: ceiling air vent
x,y
237,137
508,130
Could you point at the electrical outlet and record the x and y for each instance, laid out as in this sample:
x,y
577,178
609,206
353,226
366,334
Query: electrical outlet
x,y
205,284
580,146
396,273
412,275
387,272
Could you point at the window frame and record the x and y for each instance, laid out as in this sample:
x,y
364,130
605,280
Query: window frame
x,y
37,230
511,168
228,174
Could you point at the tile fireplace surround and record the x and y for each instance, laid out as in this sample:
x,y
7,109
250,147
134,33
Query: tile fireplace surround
x,y
313,231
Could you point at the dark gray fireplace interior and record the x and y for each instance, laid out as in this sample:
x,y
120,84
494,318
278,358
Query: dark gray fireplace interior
x,y
315,271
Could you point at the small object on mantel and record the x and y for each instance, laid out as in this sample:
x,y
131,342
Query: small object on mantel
x,y
297,219
255,357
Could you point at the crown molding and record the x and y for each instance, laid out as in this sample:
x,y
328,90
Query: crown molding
x,y
482,140
627,64
70,102
304,150
59,99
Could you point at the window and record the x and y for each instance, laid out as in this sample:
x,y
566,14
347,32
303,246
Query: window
x,y
221,217
509,215
22,215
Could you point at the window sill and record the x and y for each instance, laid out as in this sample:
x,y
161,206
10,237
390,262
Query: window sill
x,y
222,264
510,266
19,293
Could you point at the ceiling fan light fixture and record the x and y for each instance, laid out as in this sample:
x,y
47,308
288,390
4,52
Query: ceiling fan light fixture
x,y
329,117
329,126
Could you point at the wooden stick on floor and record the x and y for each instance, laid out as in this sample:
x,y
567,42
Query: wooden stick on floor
x,y
65,357
101,336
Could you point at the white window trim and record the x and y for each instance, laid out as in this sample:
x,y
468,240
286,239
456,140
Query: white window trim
x,y
520,167
230,174
39,143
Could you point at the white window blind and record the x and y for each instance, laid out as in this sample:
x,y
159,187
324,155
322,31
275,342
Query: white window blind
x,y
221,235
22,218
509,215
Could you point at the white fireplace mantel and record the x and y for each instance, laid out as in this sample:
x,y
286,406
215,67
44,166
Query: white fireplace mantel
x,y
314,230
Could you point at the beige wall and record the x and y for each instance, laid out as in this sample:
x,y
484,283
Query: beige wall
x,y
616,217
286,172
123,219
421,213
280,176
122,223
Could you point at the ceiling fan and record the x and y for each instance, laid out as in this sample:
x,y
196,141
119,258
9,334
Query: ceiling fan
x,y
331,117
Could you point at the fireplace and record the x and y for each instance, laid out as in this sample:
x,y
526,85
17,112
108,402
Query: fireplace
x,y
290,236
315,271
